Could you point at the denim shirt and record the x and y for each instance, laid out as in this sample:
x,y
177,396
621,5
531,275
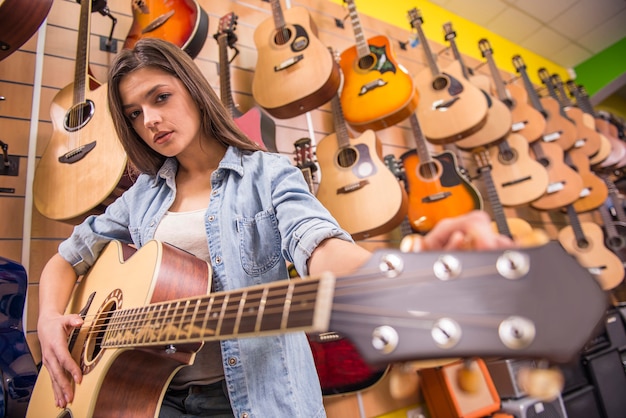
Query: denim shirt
x,y
260,214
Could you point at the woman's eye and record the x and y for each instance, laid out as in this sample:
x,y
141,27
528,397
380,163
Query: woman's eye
x,y
133,115
162,97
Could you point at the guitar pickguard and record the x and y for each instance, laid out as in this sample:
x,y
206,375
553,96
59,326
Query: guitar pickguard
x,y
365,167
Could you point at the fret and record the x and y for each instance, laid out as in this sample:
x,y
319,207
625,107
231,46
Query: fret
x,y
362,47
222,314
82,47
286,307
261,310
416,23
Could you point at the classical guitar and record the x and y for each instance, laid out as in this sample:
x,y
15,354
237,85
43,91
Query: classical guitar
x,y
294,72
258,126
377,92
83,167
356,186
526,120
595,191
559,129
531,302
515,228
182,22
435,185
585,241
518,177
19,20
499,118
586,139
451,108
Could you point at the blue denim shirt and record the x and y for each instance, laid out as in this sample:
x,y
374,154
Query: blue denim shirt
x,y
260,214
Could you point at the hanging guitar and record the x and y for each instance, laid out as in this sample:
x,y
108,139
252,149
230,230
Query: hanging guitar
x,y
19,20
595,191
84,167
294,72
531,303
181,22
254,123
451,108
377,92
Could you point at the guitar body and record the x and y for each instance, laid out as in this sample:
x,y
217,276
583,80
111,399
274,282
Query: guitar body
x,y
436,190
595,190
377,91
19,20
564,183
258,127
297,76
605,266
617,242
518,178
357,187
124,382
588,140
559,130
527,121
522,233
609,130
182,22
607,156
452,110
70,191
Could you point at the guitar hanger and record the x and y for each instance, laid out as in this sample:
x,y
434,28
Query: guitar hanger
x,y
102,7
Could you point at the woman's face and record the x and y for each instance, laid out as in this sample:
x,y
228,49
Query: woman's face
x,y
161,110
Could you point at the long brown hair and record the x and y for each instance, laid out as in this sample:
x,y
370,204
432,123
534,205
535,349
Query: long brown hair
x,y
216,122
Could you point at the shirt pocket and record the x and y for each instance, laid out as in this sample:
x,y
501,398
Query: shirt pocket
x,y
259,242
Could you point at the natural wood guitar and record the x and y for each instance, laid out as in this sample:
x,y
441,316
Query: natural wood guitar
x,y
437,190
258,126
19,20
451,108
84,166
295,72
585,241
181,22
378,91
499,118
595,191
356,186
526,120
138,333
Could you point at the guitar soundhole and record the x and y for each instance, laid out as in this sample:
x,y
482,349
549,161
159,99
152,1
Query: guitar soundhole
x,y
367,62
429,170
582,243
282,36
78,116
440,83
92,347
347,157
616,243
507,156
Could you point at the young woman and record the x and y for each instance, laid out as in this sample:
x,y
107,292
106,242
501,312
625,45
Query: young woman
x,y
206,188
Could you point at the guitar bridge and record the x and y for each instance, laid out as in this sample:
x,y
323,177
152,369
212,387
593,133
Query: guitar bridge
x,y
436,197
352,187
76,154
371,86
288,63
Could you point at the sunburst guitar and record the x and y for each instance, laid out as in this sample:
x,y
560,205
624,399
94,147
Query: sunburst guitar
x,y
377,92
181,22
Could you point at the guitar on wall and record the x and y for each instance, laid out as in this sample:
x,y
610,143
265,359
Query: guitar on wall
x,y
254,123
356,186
451,108
377,92
526,120
182,22
19,20
305,161
499,118
135,338
84,167
294,72
435,185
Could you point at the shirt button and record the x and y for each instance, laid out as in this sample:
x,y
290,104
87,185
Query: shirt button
x,y
244,415
232,361
218,260
211,218
214,192
152,223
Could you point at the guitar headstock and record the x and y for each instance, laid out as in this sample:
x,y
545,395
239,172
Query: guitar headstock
x,y
227,26
518,63
535,302
304,154
448,31
485,48
395,166
415,18
572,88
544,76
481,157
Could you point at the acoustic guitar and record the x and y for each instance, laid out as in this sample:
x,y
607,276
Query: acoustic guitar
x,y
19,20
254,123
436,187
294,72
377,91
595,191
499,118
451,108
305,161
526,120
137,333
181,22
585,241
356,186
559,129
84,167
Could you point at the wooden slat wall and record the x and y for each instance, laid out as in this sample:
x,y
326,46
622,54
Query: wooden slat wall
x,y
17,80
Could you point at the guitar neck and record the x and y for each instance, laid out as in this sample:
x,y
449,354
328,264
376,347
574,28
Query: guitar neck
x,y
495,73
82,49
450,37
575,223
492,194
416,22
528,85
420,140
225,87
277,14
341,128
362,48
276,307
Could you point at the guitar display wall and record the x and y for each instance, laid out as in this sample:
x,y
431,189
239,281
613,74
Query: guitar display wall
x,y
17,83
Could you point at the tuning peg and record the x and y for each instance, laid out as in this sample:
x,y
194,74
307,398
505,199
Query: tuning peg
x,y
542,383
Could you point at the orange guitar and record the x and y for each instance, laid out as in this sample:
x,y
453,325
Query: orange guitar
x,y
499,118
254,123
595,191
294,72
451,108
559,129
182,22
377,91
83,167
356,186
436,187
